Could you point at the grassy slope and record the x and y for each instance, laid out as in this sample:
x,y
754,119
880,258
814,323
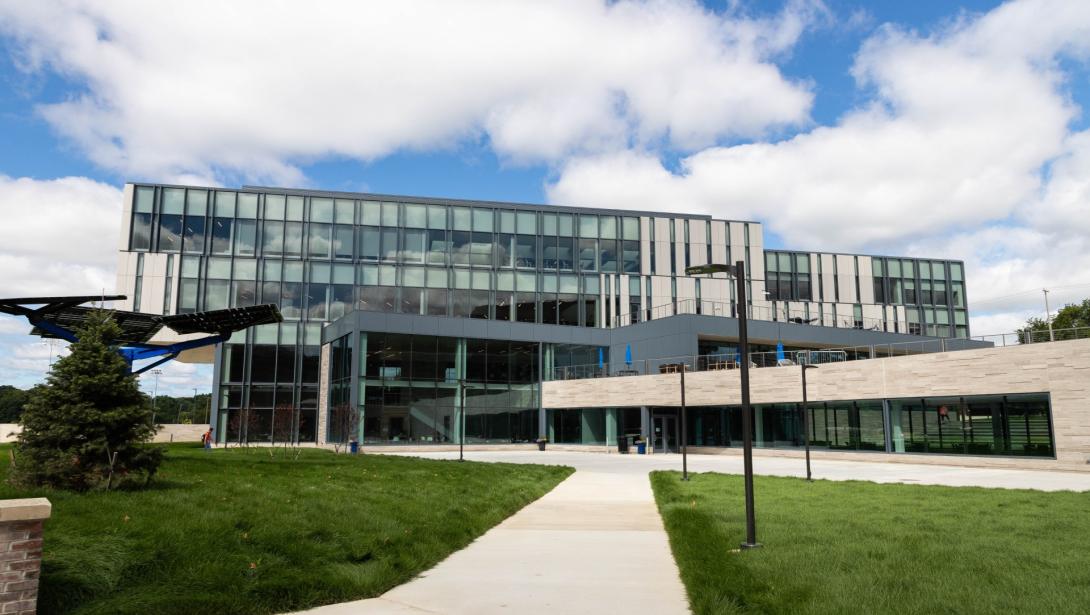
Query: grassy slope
x,y
854,547
239,532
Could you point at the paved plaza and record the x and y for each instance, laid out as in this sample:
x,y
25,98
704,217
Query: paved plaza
x,y
596,543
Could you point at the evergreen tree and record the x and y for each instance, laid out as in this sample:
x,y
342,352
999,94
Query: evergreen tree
x,y
89,425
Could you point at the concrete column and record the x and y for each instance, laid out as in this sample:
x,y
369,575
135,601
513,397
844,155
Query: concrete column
x,y
758,426
21,553
359,392
219,423
611,426
323,394
645,423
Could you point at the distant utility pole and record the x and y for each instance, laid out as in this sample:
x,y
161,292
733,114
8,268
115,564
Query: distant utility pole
x,y
155,393
1048,317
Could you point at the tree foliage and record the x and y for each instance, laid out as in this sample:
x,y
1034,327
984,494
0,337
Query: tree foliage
x,y
1071,316
12,400
89,425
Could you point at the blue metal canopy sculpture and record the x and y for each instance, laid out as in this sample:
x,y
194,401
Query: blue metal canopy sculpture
x,y
59,317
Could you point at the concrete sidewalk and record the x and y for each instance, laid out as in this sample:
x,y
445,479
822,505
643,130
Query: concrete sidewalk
x,y
594,544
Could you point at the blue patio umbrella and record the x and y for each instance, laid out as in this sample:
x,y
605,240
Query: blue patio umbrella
x,y
601,358
779,352
628,354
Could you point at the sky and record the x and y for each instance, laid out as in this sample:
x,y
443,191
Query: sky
x,y
929,128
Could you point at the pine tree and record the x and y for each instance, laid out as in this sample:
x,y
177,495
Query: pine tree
x,y
89,425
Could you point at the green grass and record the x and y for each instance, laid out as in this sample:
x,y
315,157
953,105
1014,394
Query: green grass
x,y
238,531
855,547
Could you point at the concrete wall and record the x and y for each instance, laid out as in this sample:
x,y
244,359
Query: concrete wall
x,y
1061,369
179,432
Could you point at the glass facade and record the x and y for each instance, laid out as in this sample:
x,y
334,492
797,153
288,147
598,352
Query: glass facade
x,y
319,256
412,388
1007,425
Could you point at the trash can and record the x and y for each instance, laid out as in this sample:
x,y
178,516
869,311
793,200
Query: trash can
x,y
541,444
641,448
353,447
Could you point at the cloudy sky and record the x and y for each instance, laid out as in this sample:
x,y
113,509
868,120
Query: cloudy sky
x,y
921,128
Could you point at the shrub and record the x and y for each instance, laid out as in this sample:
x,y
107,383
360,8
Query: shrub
x,y
89,425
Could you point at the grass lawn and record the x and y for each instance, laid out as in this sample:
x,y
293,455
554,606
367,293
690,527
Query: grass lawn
x,y
238,531
855,547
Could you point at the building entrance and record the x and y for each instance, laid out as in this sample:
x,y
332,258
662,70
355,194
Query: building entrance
x,y
664,436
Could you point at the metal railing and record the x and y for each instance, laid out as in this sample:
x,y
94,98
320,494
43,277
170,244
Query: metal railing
x,y
782,313
728,361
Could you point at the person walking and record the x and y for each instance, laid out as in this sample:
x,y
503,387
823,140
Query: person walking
x,y
206,439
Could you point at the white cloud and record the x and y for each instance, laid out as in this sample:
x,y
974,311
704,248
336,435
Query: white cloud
x,y
59,237
945,157
241,89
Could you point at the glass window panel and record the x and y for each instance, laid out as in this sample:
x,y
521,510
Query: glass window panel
x,y
293,238
482,220
141,232
526,251
319,272
505,281
342,241
588,225
370,213
482,280
527,222
291,300
414,245
413,276
272,238
504,251
389,214
938,270
389,243
387,275
191,267
293,271
565,253
784,263
630,228
318,244
217,294
956,272
437,278
437,217
588,254
173,201
590,285
221,235
569,284
247,205
197,202
526,281
368,275
416,216
548,224
294,209
219,268
802,263
344,211
608,227
342,273
144,200
270,270
566,225
437,247
321,210
370,243
274,206
246,237
462,219
507,221
245,269
170,233
607,250
549,284
244,293
630,256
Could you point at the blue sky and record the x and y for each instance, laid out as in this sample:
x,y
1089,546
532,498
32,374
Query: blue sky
x,y
932,128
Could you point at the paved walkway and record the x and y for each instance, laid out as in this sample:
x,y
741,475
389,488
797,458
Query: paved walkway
x,y
594,544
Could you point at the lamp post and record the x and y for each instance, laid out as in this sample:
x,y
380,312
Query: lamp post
x,y
806,417
155,394
738,272
462,422
684,428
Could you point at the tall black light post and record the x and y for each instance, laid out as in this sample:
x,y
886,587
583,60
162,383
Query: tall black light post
x,y
684,428
806,417
738,272
462,423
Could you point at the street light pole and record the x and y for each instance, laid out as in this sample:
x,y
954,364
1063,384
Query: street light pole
x,y
684,428
806,417
462,422
155,394
1048,317
738,271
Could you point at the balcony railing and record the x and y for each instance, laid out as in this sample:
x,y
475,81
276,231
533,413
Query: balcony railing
x,y
715,362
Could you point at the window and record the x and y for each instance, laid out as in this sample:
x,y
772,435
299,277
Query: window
x,y
588,254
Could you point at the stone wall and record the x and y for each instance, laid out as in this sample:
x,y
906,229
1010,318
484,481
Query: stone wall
x,y
21,553
1061,369
167,433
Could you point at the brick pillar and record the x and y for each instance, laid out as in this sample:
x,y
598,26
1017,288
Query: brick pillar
x,y
21,553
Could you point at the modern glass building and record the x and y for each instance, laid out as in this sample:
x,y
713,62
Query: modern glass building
x,y
425,306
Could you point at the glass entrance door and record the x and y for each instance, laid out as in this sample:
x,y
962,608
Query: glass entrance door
x,y
664,438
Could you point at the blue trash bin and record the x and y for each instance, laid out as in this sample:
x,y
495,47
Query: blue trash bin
x,y
641,448
354,447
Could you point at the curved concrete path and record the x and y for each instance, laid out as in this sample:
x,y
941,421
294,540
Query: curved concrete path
x,y
594,544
